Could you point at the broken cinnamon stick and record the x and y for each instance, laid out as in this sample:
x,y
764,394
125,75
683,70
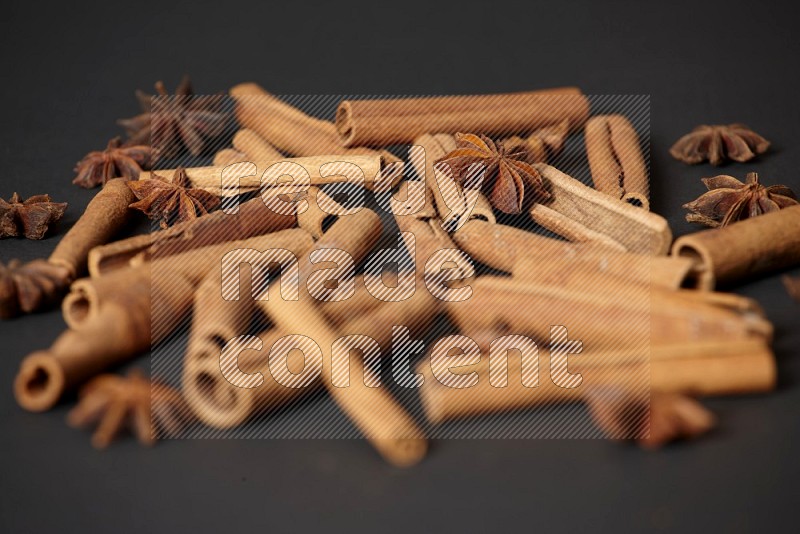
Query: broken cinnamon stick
x,y
253,218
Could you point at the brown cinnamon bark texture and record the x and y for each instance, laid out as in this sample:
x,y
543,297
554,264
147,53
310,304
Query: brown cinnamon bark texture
x,y
393,121
702,369
743,250
113,318
636,229
615,159
253,218
226,156
105,215
254,146
317,170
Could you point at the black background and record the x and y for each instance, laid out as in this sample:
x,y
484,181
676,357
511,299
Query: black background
x,y
69,71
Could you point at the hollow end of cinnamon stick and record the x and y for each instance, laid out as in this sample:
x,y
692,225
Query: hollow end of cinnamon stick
x,y
213,400
39,383
637,199
80,306
701,274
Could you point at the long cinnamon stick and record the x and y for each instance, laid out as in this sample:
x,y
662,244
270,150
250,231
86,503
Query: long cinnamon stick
x,y
749,248
253,218
254,146
393,121
705,369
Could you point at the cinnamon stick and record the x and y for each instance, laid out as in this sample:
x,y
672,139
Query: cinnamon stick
x,y
502,247
117,316
615,159
393,121
608,312
253,218
704,369
337,169
635,229
746,249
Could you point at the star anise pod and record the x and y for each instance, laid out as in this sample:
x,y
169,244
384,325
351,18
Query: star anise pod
x,y
728,200
172,201
25,288
717,143
31,217
116,161
183,121
669,416
507,174
149,409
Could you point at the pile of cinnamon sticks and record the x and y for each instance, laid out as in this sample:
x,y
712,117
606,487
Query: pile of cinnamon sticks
x,y
643,308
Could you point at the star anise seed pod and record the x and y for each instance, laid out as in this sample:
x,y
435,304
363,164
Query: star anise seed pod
x,y
172,201
717,143
25,288
728,200
114,402
506,177
667,416
31,217
182,122
116,161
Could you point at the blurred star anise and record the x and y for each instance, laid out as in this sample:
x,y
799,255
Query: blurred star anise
x,y
150,410
667,416
183,121
717,143
116,161
25,288
31,217
507,174
172,201
728,200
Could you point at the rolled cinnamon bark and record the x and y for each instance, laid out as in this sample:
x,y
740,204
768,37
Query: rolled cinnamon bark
x,y
315,219
502,247
290,130
118,316
706,369
337,170
254,218
749,248
105,215
615,159
382,421
637,230
254,146
607,314
393,121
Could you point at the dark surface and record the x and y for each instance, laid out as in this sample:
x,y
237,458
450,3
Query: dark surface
x,y
70,73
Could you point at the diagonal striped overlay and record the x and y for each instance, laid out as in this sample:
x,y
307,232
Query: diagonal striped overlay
x,y
520,340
